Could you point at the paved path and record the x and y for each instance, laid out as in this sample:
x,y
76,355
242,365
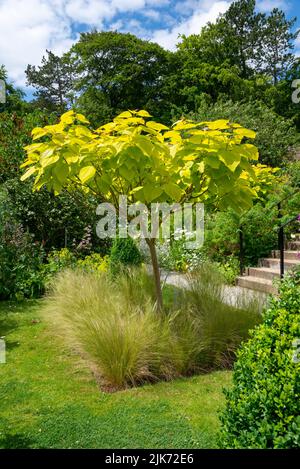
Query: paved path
x,y
180,280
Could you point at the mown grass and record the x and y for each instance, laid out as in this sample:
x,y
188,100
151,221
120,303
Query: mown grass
x,y
50,399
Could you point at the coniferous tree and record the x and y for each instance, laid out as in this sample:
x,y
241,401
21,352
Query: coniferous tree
x,y
278,44
53,81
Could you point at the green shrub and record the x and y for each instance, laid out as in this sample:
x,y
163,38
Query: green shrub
x,y
21,258
93,263
62,259
275,135
229,269
57,260
20,263
260,233
222,236
124,253
263,407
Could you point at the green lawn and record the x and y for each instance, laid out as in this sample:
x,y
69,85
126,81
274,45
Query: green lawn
x,y
49,398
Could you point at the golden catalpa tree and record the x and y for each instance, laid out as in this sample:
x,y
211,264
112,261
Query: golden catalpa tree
x,y
137,157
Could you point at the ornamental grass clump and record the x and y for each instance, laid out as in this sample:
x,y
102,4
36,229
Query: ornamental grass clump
x,y
221,326
127,341
114,322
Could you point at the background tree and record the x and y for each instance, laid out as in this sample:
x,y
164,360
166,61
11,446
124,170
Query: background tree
x,y
242,27
118,72
14,96
53,81
235,39
278,44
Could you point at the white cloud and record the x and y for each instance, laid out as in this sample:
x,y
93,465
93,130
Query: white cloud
x,y
26,30
90,12
29,27
192,25
158,3
127,5
268,5
152,14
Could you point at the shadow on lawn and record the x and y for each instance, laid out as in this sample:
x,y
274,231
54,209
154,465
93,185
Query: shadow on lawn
x,y
8,311
17,441
7,324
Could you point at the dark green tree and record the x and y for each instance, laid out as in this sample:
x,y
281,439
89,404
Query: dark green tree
x,y
242,28
278,45
235,39
14,97
118,72
53,81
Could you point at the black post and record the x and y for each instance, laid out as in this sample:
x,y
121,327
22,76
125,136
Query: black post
x,y
66,237
281,243
241,242
281,248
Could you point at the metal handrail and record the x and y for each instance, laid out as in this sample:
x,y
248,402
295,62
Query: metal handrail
x,y
281,235
281,243
284,198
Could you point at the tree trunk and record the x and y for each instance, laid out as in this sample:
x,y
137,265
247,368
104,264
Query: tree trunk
x,y
155,266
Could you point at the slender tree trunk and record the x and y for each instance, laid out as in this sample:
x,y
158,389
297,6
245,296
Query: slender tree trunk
x,y
155,266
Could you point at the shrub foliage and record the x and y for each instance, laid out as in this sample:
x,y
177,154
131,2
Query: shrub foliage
x,y
263,407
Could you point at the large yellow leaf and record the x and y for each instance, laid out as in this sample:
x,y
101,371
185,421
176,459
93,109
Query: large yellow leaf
x,y
28,173
86,173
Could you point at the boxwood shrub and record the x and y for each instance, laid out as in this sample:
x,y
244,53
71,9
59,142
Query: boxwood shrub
x,y
263,407
124,253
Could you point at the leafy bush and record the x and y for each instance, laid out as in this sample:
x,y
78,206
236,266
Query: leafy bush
x,y
21,257
94,263
53,220
62,259
263,407
275,135
260,233
124,253
222,235
229,269
20,263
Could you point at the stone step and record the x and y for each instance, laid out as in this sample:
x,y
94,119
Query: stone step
x,y
275,263
288,254
256,283
264,272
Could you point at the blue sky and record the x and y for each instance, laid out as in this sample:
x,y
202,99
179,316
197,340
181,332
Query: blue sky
x,y
29,27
